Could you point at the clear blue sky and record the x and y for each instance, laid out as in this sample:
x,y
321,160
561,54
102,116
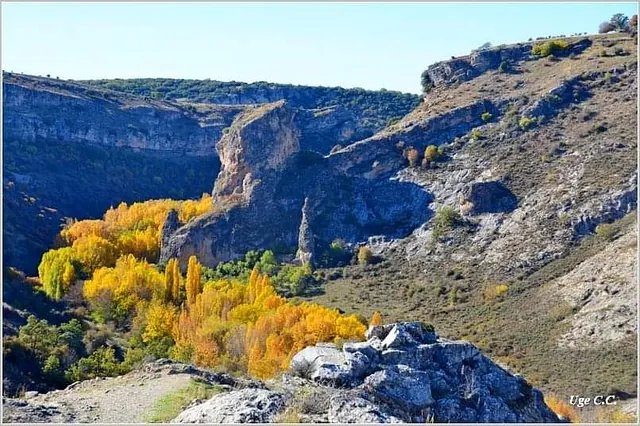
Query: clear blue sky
x,y
350,45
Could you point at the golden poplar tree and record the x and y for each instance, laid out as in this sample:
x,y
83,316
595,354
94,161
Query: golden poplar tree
x,y
376,319
194,271
176,282
168,281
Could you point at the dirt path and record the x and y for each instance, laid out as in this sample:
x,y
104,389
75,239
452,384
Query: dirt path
x,y
125,399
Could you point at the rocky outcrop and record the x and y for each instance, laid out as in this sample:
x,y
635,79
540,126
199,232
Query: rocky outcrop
x,y
306,241
464,68
266,177
489,197
258,143
322,129
171,224
404,372
243,406
601,292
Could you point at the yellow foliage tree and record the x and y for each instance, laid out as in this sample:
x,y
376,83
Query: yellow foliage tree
x,y
57,271
131,229
161,319
114,292
194,272
376,319
274,329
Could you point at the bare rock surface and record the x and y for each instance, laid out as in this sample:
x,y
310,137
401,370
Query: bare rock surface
x,y
602,291
402,373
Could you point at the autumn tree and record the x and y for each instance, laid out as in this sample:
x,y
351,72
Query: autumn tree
x,y
172,282
431,153
412,155
57,271
365,256
376,319
194,273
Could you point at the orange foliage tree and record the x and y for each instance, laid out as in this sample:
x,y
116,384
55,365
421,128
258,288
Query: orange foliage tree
x,y
274,329
376,319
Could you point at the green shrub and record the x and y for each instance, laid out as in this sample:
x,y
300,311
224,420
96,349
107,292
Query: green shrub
x,y
293,280
336,255
549,48
431,153
101,363
476,134
486,116
605,231
525,122
447,217
39,337
619,51
425,82
503,67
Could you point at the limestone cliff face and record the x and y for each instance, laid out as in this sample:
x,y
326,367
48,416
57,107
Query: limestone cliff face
x,y
258,143
264,181
41,109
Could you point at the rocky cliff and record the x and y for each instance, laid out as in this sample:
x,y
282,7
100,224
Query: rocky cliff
x,y
66,139
371,110
262,186
39,108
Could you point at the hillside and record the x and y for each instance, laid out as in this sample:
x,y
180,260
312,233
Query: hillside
x,y
373,109
525,173
113,131
500,210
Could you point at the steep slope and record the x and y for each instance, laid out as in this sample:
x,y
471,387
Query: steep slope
x,y
104,136
572,170
527,155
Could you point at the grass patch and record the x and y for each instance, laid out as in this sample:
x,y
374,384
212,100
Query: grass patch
x,y
170,405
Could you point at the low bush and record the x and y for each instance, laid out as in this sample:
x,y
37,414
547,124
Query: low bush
x,y
431,153
605,231
493,292
562,408
525,123
365,256
551,47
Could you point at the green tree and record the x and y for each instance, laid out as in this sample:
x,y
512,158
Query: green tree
x,y
38,336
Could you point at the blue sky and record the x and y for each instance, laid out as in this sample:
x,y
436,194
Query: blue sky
x,y
351,45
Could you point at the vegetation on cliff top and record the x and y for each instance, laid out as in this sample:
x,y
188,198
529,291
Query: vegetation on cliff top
x,y
375,108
